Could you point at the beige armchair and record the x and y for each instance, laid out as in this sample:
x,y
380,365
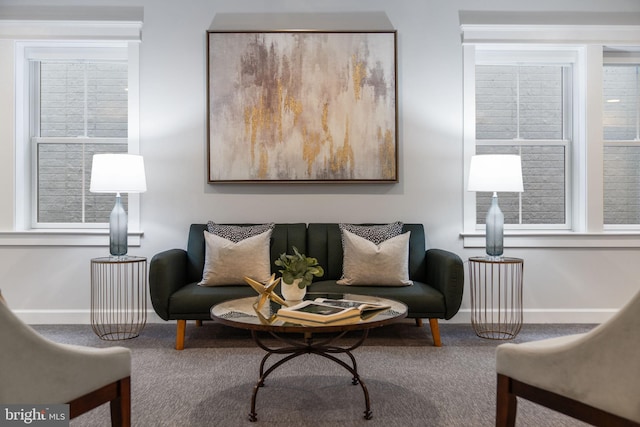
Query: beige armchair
x,y
35,370
594,377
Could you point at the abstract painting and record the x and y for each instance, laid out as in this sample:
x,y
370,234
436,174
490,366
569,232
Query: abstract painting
x,y
302,106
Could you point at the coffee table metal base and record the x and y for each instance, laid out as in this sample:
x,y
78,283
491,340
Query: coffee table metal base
x,y
307,345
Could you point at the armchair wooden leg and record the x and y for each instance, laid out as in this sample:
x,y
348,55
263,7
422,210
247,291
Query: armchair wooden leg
x,y
419,323
121,406
198,323
180,330
117,393
506,403
435,332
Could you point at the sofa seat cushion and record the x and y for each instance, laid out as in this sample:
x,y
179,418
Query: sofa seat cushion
x,y
422,300
195,302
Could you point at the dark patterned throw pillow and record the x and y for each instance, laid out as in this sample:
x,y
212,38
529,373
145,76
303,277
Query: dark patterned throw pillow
x,y
236,233
374,233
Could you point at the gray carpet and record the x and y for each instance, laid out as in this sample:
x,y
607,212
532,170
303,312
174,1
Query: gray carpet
x,y
410,382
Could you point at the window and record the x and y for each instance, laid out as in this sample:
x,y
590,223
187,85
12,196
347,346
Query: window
x,y
76,102
621,129
570,106
52,123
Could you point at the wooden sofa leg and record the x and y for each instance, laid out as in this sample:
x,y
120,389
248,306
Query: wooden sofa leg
x,y
419,323
435,332
198,323
180,330
506,403
121,406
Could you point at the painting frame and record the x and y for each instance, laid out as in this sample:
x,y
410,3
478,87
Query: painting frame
x,y
304,106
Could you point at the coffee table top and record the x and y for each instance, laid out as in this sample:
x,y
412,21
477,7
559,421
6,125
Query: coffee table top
x,y
241,313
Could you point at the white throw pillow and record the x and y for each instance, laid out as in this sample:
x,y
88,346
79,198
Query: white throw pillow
x,y
366,263
227,262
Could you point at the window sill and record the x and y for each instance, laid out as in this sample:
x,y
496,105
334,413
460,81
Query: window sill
x,y
59,237
560,239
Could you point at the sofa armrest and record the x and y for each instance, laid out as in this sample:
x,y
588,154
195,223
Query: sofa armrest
x,y
167,274
445,272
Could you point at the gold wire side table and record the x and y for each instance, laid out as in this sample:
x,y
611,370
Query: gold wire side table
x,y
118,296
496,296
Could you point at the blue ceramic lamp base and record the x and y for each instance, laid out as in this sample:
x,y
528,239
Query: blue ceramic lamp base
x,y
495,229
118,229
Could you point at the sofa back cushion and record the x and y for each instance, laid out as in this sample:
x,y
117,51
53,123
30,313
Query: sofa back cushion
x,y
324,242
283,238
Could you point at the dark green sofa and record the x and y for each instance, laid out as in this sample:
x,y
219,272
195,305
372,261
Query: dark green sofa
x,y
436,293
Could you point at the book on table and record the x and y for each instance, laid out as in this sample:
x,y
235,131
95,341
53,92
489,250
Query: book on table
x,y
324,310
367,309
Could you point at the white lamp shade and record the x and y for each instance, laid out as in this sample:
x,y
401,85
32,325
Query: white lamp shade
x,y
118,173
495,173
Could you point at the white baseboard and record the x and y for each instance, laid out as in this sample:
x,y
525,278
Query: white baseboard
x,y
67,317
556,315
80,317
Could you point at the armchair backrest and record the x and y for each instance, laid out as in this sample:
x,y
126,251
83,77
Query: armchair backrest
x,y
35,370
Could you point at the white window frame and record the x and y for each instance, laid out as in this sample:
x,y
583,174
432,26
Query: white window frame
x,y
586,176
104,29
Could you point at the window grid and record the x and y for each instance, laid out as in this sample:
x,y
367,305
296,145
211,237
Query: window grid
x,y
544,203
79,109
621,135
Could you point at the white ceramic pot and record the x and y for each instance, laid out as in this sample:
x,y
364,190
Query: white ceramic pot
x,y
291,292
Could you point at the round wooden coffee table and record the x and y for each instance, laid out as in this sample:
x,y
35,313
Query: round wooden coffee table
x,y
298,339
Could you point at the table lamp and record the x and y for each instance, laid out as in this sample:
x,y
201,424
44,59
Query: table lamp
x,y
494,173
118,173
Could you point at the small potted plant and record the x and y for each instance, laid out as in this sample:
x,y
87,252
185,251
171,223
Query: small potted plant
x,y
297,272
